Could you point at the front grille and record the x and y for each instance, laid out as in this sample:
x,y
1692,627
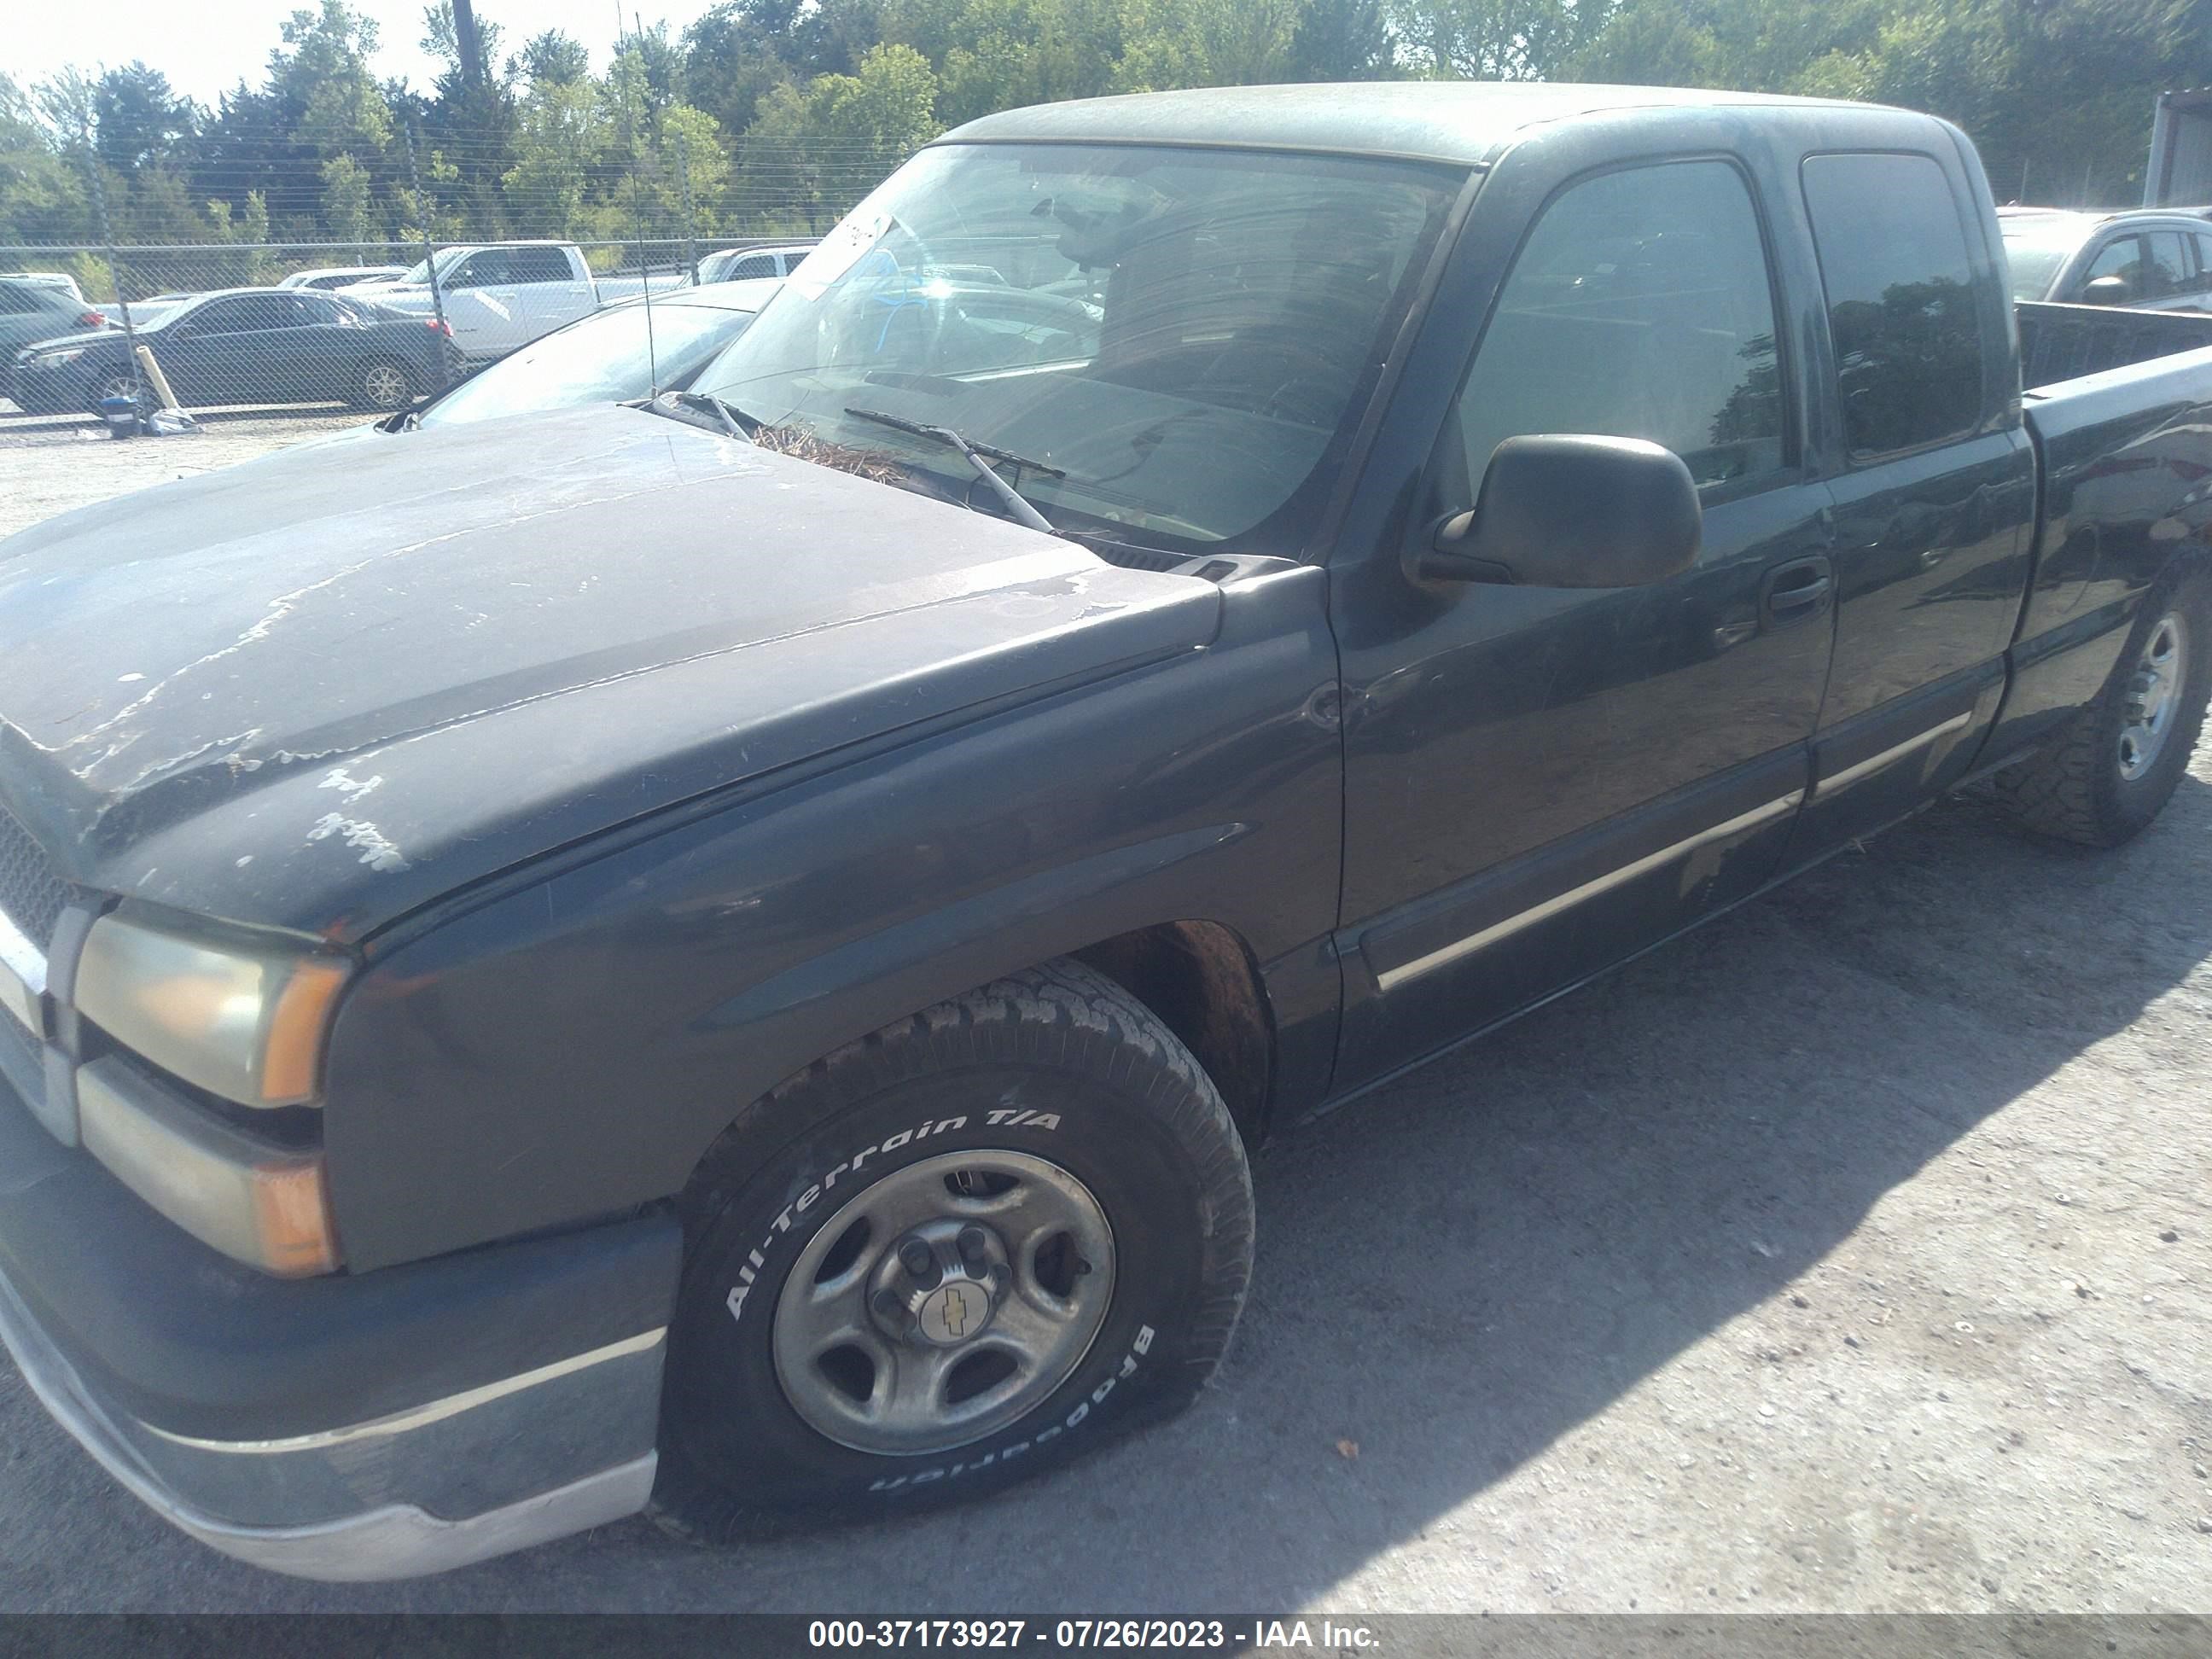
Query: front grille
x,y
23,1062
31,892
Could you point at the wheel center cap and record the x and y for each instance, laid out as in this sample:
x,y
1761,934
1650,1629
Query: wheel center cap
x,y
955,1311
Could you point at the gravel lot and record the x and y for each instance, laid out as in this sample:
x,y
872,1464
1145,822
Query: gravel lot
x,y
1849,1254
48,466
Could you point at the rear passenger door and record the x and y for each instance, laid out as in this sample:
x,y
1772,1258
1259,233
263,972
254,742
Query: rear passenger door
x,y
1542,781
326,347
1933,483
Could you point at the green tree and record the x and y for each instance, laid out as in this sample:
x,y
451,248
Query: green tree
x,y
324,82
551,56
346,213
566,132
42,199
1206,43
139,120
1342,40
1500,40
821,148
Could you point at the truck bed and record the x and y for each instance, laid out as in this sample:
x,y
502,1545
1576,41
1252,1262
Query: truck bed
x,y
2065,342
2119,407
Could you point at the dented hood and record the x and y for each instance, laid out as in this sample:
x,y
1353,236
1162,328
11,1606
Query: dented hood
x,y
318,689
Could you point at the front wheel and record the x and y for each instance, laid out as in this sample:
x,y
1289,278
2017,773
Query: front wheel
x,y
116,383
2111,771
997,1235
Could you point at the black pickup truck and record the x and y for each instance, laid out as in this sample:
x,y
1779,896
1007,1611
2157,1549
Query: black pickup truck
x,y
722,955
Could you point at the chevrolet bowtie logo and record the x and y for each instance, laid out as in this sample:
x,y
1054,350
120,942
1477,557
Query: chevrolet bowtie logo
x,y
956,1312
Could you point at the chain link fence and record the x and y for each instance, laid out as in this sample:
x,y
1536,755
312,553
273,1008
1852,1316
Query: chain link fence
x,y
480,267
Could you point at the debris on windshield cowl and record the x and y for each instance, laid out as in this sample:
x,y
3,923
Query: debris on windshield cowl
x,y
803,445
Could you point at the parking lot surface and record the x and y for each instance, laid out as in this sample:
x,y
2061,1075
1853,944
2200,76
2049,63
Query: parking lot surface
x,y
1850,1254
50,465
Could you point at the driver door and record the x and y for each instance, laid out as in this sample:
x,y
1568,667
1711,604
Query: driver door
x,y
1541,781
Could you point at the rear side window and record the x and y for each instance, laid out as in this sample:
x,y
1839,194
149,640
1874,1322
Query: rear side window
x,y
1901,300
2164,271
1639,307
761,265
2200,276
17,301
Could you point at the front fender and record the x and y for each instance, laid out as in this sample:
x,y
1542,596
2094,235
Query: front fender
x,y
569,1048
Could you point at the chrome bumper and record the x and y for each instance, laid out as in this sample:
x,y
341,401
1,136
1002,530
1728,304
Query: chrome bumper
x,y
449,1483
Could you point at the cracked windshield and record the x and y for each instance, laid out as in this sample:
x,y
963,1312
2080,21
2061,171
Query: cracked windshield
x,y
1172,345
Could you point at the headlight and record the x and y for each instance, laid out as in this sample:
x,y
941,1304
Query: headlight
x,y
241,1018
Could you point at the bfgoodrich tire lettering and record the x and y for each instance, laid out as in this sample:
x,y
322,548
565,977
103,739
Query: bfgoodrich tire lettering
x,y
1057,1066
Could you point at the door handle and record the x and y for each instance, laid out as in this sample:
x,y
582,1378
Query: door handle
x,y
1797,591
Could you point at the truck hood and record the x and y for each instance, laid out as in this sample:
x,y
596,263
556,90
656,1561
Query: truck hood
x,y
318,689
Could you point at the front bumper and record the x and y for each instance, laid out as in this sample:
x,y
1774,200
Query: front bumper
x,y
406,1421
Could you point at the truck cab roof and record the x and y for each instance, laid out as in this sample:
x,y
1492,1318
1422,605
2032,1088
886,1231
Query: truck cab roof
x,y
1462,122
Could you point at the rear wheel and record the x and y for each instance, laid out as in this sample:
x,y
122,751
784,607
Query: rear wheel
x,y
2112,770
384,384
997,1235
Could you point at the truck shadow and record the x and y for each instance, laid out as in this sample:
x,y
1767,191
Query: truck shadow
x,y
1465,1267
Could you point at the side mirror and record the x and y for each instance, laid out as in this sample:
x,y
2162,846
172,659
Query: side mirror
x,y
1572,511
2108,291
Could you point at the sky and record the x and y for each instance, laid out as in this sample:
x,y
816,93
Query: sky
x,y
204,46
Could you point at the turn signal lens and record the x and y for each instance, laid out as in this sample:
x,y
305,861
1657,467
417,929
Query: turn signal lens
x,y
257,1203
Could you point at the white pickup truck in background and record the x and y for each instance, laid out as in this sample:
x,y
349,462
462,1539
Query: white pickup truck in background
x,y
498,297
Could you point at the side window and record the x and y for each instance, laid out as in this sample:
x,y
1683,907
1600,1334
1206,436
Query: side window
x,y
226,316
485,269
15,302
1901,299
1640,306
539,264
759,265
2122,256
2163,273
316,312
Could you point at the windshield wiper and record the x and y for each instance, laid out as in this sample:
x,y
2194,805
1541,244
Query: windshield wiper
x,y
1023,512
683,405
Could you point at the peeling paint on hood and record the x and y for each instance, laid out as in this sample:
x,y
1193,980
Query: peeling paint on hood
x,y
319,688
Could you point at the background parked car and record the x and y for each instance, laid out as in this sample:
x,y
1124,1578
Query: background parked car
x,y
252,345
738,264
502,295
153,308
31,312
2156,260
609,356
335,276
47,279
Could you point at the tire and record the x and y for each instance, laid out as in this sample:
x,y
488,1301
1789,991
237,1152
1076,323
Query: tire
x,y
2101,782
764,1427
383,383
114,383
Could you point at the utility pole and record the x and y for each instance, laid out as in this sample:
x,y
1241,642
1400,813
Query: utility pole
x,y
107,243
429,256
683,195
469,43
